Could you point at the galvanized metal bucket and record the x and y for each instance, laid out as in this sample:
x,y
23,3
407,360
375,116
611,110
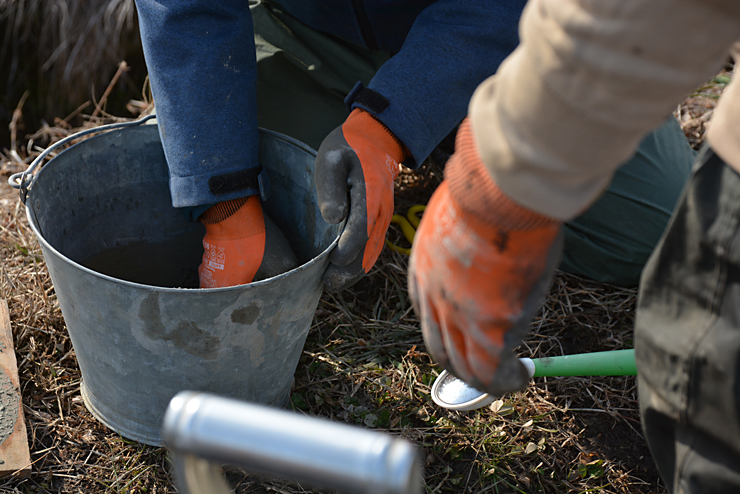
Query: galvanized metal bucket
x,y
138,344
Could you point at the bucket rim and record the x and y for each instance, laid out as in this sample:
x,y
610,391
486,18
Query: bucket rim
x,y
304,266
30,215
290,140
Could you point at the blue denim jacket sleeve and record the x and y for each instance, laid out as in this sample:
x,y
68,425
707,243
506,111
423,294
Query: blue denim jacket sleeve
x,y
201,61
451,48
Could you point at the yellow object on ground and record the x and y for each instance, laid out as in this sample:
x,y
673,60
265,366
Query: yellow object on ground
x,y
408,227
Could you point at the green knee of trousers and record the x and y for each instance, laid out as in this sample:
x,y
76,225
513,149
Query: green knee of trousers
x,y
613,239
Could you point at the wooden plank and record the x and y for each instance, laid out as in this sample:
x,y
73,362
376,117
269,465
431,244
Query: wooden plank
x,y
15,457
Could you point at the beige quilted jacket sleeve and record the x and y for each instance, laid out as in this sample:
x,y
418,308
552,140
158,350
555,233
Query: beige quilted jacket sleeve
x,y
588,81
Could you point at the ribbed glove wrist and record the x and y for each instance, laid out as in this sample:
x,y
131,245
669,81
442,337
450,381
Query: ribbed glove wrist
x,y
475,192
361,124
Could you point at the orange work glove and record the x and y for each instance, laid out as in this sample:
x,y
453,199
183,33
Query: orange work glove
x,y
480,267
355,168
241,245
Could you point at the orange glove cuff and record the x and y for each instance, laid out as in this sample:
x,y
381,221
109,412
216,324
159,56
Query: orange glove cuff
x,y
234,243
362,126
221,211
475,192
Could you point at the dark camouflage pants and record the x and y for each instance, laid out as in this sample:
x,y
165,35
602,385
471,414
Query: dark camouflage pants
x,y
687,337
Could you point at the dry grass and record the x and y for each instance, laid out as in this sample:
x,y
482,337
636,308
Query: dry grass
x,y
56,50
364,363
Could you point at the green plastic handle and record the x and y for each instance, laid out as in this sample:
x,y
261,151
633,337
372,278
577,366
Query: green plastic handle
x,y
613,363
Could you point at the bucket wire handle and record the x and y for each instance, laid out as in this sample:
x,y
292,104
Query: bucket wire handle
x,y
23,180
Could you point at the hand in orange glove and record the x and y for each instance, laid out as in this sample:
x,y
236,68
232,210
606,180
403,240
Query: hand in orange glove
x,y
355,169
480,267
241,245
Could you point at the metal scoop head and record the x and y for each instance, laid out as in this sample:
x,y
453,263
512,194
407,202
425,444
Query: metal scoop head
x,y
455,394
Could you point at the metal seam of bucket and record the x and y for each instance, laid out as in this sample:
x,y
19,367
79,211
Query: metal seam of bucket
x,y
137,345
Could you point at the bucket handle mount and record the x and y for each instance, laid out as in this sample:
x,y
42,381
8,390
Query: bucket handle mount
x,y
23,180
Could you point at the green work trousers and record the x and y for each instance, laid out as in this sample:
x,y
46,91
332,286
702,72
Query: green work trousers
x,y
303,77
612,240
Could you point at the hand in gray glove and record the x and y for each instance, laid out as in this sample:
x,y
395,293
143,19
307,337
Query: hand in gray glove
x,y
355,169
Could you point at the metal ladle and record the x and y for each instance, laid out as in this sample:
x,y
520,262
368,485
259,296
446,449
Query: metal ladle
x,y
455,394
